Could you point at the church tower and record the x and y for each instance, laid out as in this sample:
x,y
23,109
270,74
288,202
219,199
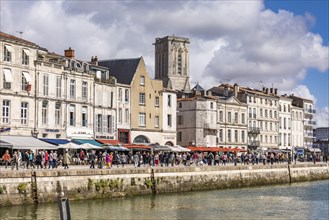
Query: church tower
x,y
172,62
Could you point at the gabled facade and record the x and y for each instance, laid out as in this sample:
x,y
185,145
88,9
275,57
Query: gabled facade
x,y
146,95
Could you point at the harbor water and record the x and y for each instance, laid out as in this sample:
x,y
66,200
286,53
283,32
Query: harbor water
x,y
307,200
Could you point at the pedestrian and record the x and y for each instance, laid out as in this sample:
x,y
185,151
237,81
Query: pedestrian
x,y
55,157
92,158
66,160
6,158
50,158
38,160
100,160
14,162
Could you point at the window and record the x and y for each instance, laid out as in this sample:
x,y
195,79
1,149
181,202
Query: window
x,y
221,135
229,135
127,95
24,112
261,112
179,136
104,124
58,86
180,105
45,84
265,113
24,82
270,113
58,113
211,105
236,136
72,89
179,63
7,50
5,111
254,112
109,124
8,79
72,115
120,95
84,116
236,117
250,112
142,98
157,102
99,119
169,100
142,119
142,81
169,120
85,90
126,116
44,112
242,118
221,116
180,119
242,136
120,116
229,117
250,99
25,57
156,121
284,123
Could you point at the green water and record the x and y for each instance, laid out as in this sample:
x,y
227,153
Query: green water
x,y
308,200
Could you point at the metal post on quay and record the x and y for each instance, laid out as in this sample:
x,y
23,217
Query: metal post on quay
x,y
64,207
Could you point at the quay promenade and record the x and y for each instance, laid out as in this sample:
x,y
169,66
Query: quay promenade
x,y
79,182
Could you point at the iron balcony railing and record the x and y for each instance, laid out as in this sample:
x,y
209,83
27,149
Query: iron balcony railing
x,y
254,130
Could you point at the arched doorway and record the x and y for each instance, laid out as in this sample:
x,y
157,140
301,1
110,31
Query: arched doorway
x,y
169,143
141,139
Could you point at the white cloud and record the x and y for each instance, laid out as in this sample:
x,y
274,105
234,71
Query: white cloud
x,y
236,41
322,117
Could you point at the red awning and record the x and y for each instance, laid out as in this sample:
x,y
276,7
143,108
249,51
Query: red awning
x,y
214,149
137,146
111,142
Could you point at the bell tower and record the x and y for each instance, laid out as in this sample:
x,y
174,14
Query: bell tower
x,y
172,62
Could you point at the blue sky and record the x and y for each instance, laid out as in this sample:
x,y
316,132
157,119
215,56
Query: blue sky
x,y
250,42
317,82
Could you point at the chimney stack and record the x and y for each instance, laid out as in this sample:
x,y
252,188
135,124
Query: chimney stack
x,y
236,90
226,90
94,60
69,53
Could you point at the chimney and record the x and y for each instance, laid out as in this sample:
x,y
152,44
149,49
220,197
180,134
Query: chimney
x,y
69,53
275,91
226,90
236,90
209,93
94,60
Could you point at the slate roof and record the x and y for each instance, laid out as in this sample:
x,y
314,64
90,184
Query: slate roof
x,y
197,88
122,69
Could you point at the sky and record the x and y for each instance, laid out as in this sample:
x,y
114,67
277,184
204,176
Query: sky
x,y
254,43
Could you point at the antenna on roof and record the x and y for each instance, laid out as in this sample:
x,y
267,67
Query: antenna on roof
x,y
21,33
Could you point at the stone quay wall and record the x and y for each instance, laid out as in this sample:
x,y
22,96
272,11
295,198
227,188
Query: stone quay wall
x,y
41,186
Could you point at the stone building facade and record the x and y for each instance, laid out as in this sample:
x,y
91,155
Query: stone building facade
x,y
285,123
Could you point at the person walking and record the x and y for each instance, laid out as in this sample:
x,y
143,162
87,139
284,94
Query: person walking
x,y
66,160
14,162
92,158
6,158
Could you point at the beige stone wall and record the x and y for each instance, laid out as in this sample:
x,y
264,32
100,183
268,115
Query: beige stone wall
x,y
85,184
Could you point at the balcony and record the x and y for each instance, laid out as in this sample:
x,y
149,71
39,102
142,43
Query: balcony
x,y
254,130
254,144
309,123
210,126
310,111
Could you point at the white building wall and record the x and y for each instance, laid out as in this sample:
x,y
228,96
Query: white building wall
x,y
285,123
297,127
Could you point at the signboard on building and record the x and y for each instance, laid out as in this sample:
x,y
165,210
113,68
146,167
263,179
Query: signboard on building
x,y
79,133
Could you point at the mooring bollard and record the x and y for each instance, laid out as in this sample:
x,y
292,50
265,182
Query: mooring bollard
x,y
64,207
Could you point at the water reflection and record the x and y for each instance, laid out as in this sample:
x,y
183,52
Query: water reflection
x,y
307,200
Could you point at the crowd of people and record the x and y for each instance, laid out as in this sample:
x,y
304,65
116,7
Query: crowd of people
x,y
45,159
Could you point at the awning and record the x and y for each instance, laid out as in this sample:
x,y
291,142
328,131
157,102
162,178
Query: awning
x,y
158,147
88,146
27,77
21,142
140,147
70,145
8,76
27,52
55,141
178,148
9,48
107,141
210,149
89,141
